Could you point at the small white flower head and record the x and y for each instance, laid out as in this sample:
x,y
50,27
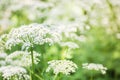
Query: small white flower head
x,y
2,59
96,67
18,73
62,66
70,45
22,58
3,55
3,37
118,35
2,62
28,35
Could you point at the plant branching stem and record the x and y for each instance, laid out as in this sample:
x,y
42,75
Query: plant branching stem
x,y
55,77
32,60
91,77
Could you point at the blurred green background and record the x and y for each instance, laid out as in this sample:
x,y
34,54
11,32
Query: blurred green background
x,y
98,30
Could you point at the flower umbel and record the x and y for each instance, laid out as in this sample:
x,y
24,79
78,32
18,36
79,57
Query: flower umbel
x,y
61,66
3,55
70,45
2,59
96,67
28,35
14,72
22,58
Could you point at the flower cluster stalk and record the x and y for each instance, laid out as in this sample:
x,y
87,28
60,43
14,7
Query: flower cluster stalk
x,y
32,60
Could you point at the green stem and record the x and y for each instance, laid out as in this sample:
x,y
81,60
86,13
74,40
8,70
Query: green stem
x,y
113,14
37,76
115,75
114,17
91,78
64,53
32,60
30,76
55,77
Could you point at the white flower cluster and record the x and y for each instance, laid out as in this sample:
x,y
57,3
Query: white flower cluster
x,y
14,73
69,31
70,45
61,66
3,55
29,35
118,35
22,58
96,67
2,59
8,7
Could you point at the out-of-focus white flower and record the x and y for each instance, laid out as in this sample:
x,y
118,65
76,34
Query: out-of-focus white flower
x,y
8,7
3,55
70,45
69,31
118,35
18,73
96,67
2,62
115,2
2,58
29,35
22,58
62,66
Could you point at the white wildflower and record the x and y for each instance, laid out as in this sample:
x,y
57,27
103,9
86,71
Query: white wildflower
x,y
3,55
61,66
2,59
3,37
22,58
8,72
29,35
118,35
96,67
70,45
67,29
2,62
70,31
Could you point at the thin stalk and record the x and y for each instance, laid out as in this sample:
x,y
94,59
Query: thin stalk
x,y
43,64
114,17
30,76
37,76
113,14
115,75
55,77
64,53
91,77
32,60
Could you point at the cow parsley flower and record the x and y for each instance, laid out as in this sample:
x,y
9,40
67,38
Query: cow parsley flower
x,y
118,35
2,62
96,67
61,66
14,72
2,59
3,55
28,35
70,45
22,58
